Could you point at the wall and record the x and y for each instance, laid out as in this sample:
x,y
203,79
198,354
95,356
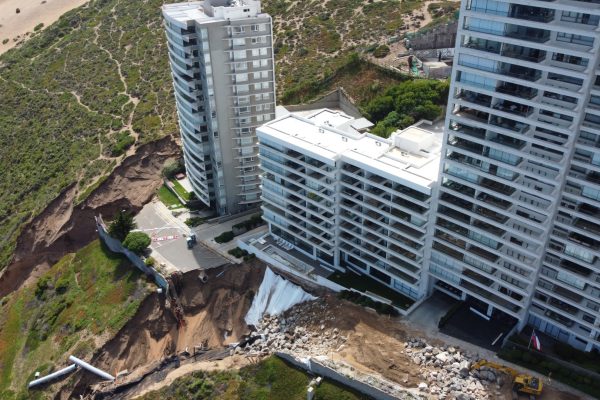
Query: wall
x,y
116,247
319,369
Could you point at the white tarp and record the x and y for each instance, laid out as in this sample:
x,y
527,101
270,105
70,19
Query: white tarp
x,y
275,295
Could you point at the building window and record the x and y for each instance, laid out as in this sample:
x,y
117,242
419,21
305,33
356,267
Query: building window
x,y
575,39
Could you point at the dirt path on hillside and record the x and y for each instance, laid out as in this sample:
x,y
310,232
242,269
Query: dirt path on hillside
x,y
63,227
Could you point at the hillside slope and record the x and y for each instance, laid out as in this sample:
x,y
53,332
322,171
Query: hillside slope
x,y
72,99
75,307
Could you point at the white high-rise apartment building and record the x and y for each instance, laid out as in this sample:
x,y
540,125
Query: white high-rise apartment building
x,y
221,56
349,199
517,227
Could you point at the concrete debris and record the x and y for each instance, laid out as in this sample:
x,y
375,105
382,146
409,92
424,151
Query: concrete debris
x,y
447,372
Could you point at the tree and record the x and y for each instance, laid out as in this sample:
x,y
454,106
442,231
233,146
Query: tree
x,y
121,225
137,242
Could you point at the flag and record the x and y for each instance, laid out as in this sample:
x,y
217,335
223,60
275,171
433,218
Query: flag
x,y
536,341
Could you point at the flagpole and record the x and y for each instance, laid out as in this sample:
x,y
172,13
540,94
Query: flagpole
x,y
530,337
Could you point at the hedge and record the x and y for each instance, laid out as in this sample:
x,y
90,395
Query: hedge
x,y
225,237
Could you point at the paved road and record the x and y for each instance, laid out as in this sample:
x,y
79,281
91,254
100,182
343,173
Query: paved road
x,y
168,240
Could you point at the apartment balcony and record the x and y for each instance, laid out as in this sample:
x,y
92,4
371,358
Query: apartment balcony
x,y
478,251
517,90
575,268
489,46
443,223
588,209
529,13
567,294
494,299
460,188
472,114
439,247
566,307
586,241
489,228
494,201
491,214
478,277
587,225
559,318
447,211
508,141
478,133
466,145
509,124
520,72
527,34
498,187
473,97
514,108
451,239
523,53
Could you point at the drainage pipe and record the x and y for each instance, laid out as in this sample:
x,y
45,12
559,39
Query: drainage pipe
x,y
53,375
92,369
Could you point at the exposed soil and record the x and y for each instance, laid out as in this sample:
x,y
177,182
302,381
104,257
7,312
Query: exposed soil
x,y
63,227
214,314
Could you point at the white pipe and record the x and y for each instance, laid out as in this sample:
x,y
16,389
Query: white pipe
x,y
53,375
92,369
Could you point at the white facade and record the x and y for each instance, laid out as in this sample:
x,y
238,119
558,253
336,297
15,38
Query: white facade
x,y
517,225
221,59
349,199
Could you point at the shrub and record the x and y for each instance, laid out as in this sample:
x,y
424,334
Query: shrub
x,y
120,227
5,41
238,253
366,301
38,27
194,221
149,262
124,142
225,237
381,51
249,257
137,242
174,168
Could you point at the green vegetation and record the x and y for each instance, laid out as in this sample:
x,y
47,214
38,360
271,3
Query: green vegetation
x,y
366,301
537,361
365,284
123,141
66,98
38,27
270,379
89,293
225,237
238,253
121,225
249,224
174,168
168,198
137,242
150,261
194,221
381,51
406,103
185,195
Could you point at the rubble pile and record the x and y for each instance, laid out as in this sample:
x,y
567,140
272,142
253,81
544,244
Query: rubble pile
x,y
274,334
447,372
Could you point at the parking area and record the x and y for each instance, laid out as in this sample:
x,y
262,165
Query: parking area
x,y
169,245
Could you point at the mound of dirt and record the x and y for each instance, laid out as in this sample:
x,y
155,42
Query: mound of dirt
x,y
63,227
214,313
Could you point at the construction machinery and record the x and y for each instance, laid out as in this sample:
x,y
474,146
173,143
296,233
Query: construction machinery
x,y
522,383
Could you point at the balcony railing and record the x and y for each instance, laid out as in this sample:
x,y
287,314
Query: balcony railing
x,y
529,13
517,90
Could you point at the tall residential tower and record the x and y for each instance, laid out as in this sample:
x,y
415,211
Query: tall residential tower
x,y
221,56
517,229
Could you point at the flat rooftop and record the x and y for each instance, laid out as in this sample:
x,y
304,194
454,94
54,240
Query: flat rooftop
x,y
205,10
411,155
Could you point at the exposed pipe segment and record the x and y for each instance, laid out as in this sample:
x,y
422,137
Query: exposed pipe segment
x,y
92,369
53,375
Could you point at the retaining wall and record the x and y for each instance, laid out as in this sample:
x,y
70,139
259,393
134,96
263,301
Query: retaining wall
x,y
319,369
116,247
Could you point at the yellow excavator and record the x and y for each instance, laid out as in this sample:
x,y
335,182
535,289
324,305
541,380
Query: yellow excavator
x,y
522,383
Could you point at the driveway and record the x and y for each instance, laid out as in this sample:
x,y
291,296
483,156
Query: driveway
x,y
169,245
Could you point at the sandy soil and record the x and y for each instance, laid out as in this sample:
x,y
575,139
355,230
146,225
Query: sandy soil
x,y
33,12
